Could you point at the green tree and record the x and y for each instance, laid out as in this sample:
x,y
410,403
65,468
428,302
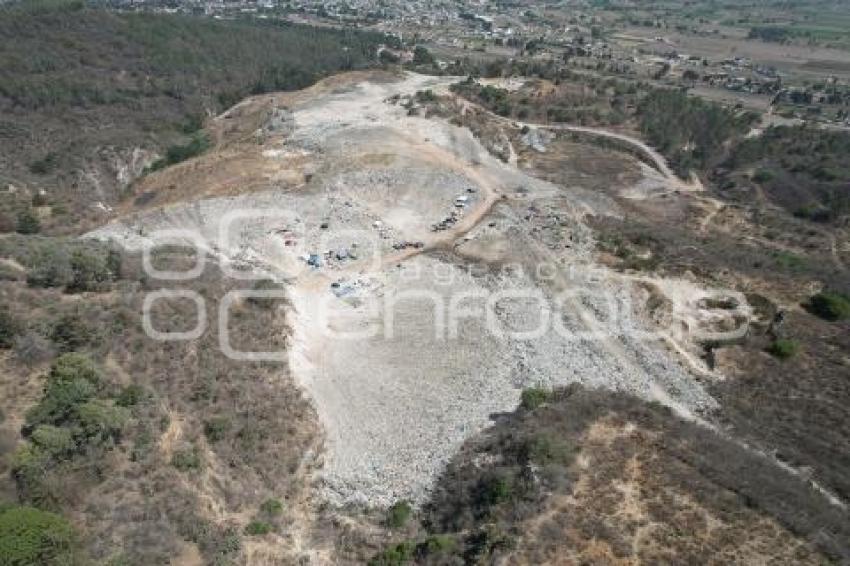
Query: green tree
x,y
55,441
421,56
73,380
102,421
29,536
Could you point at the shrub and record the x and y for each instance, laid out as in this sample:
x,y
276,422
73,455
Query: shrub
x,y
29,464
272,507
783,348
131,396
101,420
398,554
90,271
421,56
186,459
72,381
437,544
258,528
44,165
830,306
9,328
29,536
32,348
216,428
545,449
28,222
398,514
763,176
179,153
56,442
74,366
533,397
72,332
424,96
496,489
50,267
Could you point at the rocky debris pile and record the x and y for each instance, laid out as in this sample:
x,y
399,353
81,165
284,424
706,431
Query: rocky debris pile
x,y
537,139
405,245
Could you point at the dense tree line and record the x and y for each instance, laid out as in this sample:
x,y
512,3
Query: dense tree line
x,y
81,87
802,168
691,132
66,55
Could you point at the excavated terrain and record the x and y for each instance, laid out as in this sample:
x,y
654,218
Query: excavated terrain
x,y
429,281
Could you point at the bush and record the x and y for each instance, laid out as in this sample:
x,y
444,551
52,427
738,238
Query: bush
x,y
258,528
102,421
398,514
438,544
68,420
425,96
70,367
762,176
783,348
56,442
32,348
29,465
90,271
216,428
546,449
179,153
28,223
533,397
186,459
72,332
830,306
72,381
44,165
496,489
272,507
9,328
50,267
398,554
29,536
421,56
131,396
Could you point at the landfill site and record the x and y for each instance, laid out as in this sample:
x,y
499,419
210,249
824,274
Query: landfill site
x,y
428,281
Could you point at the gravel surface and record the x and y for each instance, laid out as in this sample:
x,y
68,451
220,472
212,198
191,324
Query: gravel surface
x,y
397,404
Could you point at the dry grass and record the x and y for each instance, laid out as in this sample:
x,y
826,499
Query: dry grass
x,y
134,503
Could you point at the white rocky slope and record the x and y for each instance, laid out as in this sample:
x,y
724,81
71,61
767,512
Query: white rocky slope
x,y
396,347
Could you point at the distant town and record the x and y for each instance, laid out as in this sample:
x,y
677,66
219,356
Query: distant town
x,y
578,38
